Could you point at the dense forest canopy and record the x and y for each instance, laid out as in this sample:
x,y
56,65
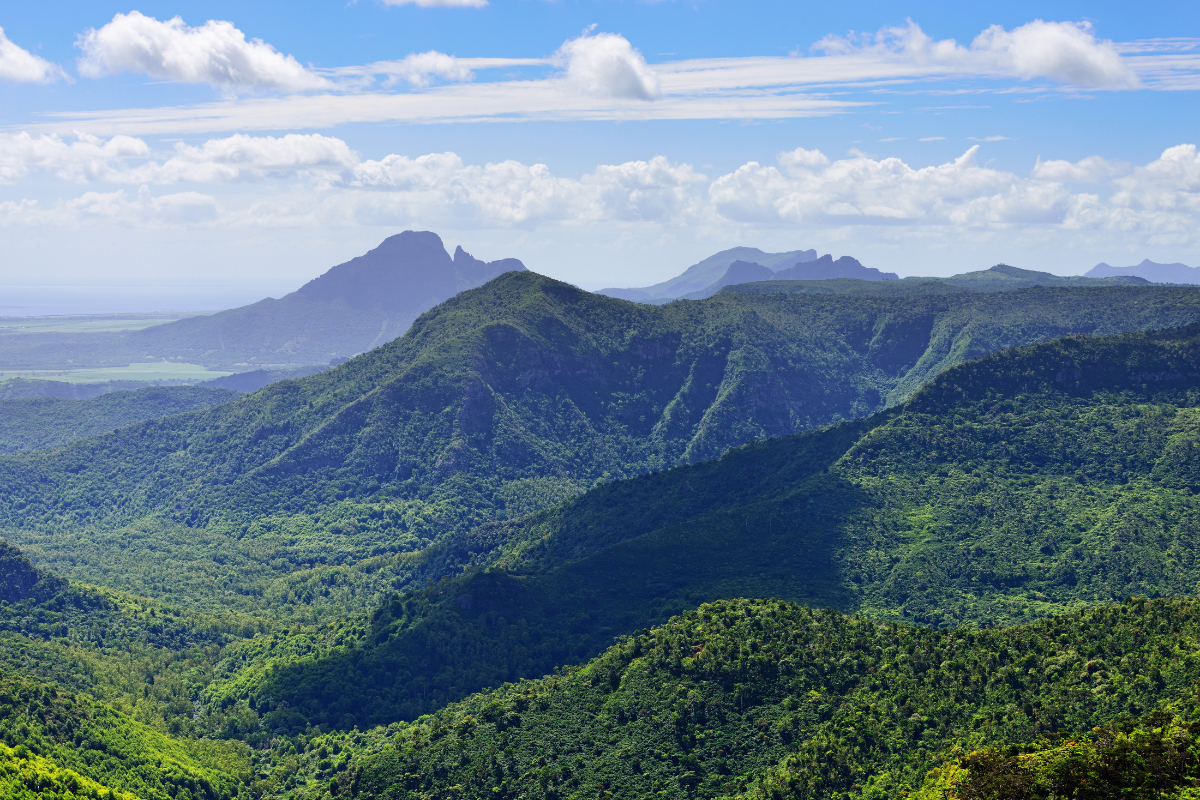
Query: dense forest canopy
x,y
372,582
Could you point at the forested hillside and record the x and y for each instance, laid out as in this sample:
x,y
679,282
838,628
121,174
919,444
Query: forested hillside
x,y
765,699
45,422
982,536
504,400
1024,484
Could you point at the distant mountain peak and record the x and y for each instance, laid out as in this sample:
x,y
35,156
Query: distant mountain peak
x,y
1149,270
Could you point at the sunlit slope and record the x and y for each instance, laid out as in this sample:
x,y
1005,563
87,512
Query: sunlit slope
x,y
1023,484
779,701
53,736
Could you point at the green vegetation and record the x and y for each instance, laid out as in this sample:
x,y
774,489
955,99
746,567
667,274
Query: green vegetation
x,y
296,593
44,422
508,398
24,776
1158,758
69,734
1032,482
772,700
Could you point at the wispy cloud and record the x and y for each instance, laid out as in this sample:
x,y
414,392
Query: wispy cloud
x,y
987,138
932,139
597,76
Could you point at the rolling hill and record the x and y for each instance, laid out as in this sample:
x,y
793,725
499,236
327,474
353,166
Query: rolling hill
x,y
514,395
350,309
766,700
1027,483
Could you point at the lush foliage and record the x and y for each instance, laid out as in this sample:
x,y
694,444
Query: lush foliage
x,y
93,741
1026,484
508,398
774,700
1158,758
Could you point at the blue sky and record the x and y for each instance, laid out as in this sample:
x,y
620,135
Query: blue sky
x,y
199,163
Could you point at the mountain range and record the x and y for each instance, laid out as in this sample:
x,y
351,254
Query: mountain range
x,y
552,544
1149,270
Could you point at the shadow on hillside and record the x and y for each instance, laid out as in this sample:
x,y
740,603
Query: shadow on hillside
x,y
490,627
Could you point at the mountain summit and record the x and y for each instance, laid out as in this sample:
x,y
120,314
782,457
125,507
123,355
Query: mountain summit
x,y
403,272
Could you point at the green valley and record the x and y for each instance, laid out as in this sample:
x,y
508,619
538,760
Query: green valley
x,y
314,590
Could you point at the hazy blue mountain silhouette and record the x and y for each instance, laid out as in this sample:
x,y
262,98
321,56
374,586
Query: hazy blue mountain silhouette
x,y
353,307
825,268
702,275
1150,270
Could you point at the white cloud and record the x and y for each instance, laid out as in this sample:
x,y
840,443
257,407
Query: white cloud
x,y
607,65
1066,52
1088,170
512,193
438,3
932,139
89,159
21,66
1158,202
114,209
215,53
419,69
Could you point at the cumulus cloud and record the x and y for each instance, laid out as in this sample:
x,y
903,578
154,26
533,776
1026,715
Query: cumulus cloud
x,y
21,66
512,193
607,65
1088,170
215,53
84,159
115,208
89,159
1158,201
420,69
1066,52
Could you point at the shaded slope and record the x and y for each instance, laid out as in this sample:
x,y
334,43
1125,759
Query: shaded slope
x,y
507,399
1023,484
352,308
